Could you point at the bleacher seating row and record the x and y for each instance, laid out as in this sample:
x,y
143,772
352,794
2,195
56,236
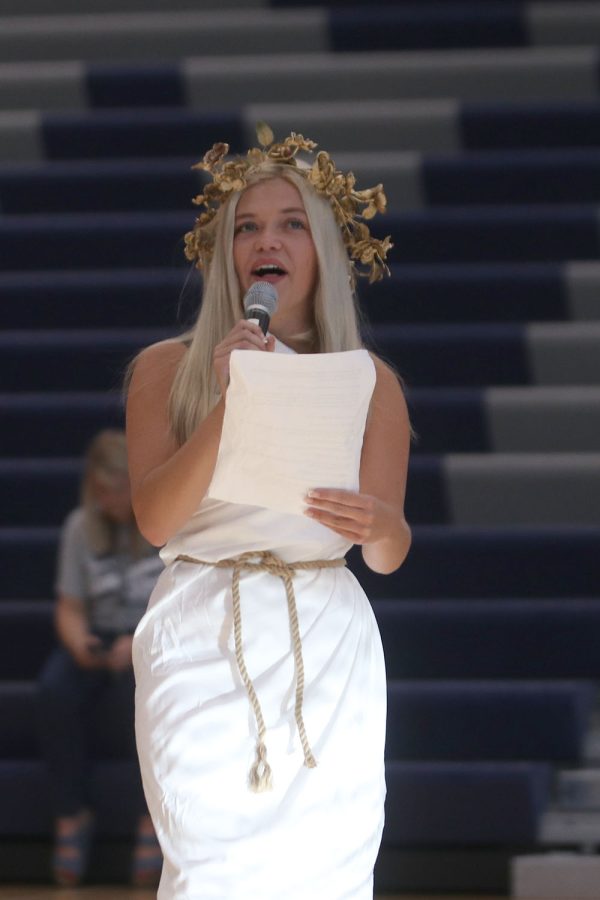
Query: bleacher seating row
x,y
483,639
462,355
412,180
299,28
470,292
54,124
483,121
459,489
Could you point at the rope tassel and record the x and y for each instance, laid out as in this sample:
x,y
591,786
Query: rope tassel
x,y
260,776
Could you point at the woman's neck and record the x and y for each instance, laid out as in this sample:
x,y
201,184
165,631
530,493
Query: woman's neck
x,y
300,342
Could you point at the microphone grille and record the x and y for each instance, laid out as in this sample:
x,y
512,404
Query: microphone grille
x,y
262,293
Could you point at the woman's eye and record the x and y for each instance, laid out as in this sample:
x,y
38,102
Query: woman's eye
x,y
296,224
245,227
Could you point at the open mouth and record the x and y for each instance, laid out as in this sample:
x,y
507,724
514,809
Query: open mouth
x,y
269,270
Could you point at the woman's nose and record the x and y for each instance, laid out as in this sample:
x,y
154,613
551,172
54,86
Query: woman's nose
x,y
267,238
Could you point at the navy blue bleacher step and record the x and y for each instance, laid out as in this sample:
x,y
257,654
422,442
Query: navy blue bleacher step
x,y
493,234
427,126
449,419
20,702
458,561
427,803
467,489
145,298
540,419
153,85
544,124
93,241
38,492
456,355
452,420
127,133
29,558
488,638
99,186
91,360
434,125
149,297
61,424
510,177
426,720
102,117
516,177
465,292
50,425
26,808
444,561
536,234
465,803
460,355
475,720
27,637
419,26
156,35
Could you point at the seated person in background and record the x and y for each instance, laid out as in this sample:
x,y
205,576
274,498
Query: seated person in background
x,y
106,572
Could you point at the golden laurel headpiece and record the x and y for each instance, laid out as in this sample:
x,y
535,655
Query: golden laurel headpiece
x,y
350,207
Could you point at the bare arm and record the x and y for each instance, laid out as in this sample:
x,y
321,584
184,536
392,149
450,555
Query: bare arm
x,y
383,471
169,481
374,516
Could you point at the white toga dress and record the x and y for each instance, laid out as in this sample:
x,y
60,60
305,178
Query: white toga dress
x,y
316,834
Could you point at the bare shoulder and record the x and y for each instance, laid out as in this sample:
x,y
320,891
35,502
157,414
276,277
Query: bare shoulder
x,y
388,387
150,440
156,365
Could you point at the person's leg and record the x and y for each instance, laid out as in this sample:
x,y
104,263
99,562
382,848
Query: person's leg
x,y
147,856
66,694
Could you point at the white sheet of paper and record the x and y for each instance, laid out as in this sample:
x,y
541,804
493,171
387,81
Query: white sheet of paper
x,y
292,422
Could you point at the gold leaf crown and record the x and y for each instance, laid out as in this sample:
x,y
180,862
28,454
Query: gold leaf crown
x,y
350,207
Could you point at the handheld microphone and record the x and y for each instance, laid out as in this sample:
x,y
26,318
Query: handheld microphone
x,y
260,302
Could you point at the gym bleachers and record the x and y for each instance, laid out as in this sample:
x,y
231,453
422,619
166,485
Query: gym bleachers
x,y
483,121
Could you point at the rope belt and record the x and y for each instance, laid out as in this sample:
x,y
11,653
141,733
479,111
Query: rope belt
x,y
260,773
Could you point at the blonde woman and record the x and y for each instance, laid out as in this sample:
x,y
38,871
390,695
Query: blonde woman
x,y
106,572
261,691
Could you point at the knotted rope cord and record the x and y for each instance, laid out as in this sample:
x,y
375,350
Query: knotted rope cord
x,y
260,773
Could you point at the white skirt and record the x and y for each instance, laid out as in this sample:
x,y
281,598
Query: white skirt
x,y
316,834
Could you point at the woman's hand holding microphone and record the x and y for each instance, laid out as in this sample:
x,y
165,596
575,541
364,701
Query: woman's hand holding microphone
x,y
245,335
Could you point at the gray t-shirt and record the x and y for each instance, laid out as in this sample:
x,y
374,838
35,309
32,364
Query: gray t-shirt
x,y
114,588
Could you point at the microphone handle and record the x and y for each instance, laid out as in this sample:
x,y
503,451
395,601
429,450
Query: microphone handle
x,y
260,317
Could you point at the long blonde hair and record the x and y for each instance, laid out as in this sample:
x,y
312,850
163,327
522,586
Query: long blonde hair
x,y
336,313
106,458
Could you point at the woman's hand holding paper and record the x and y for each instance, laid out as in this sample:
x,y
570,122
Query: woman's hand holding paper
x,y
361,518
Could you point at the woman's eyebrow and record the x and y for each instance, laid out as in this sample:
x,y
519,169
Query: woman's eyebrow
x,y
287,211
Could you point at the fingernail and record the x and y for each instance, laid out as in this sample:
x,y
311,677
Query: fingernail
x,y
312,494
